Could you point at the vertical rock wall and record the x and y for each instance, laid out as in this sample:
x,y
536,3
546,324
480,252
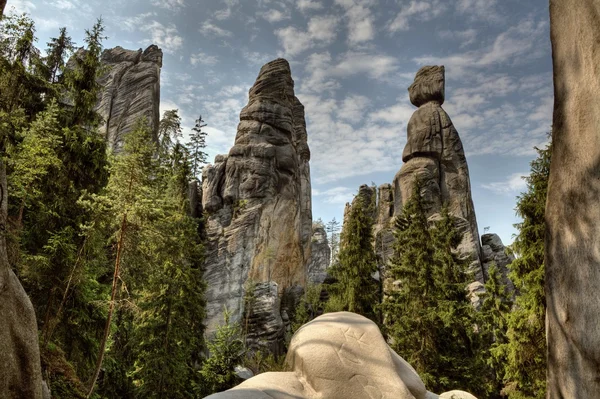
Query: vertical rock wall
x,y
131,90
573,209
257,198
320,256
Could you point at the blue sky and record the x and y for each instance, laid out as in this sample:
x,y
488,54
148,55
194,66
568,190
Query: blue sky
x,y
352,61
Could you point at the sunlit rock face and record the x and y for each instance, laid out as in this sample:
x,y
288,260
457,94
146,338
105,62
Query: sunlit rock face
x,y
338,356
434,155
572,210
130,91
258,201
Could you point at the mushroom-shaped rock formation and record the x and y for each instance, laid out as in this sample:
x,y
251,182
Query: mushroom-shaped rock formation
x,y
337,355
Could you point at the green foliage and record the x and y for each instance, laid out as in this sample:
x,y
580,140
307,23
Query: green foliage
x,y
197,144
526,348
356,290
64,383
493,321
310,306
226,350
59,49
427,316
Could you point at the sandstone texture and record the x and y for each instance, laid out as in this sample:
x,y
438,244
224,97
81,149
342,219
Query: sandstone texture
x,y
493,251
258,204
435,156
20,368
337,356
320,256
572,209
131,90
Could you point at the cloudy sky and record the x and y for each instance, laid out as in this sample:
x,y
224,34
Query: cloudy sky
x,y
352,61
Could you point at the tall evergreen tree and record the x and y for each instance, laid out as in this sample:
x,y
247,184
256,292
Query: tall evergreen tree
x,y
526,348
197,145
59,49
356,290
427,316
332,228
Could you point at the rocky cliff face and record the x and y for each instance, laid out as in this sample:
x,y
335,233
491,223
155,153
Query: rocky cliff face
x,y
257,198
131,90
320,256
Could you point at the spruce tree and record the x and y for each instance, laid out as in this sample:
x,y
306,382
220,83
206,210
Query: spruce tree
x,y
356,290
526,348
427,316
197,145
59,49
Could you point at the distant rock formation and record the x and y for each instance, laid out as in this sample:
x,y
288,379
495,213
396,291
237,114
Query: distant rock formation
x,y
20,368
573,210
339,356
320,255
131,90
257,198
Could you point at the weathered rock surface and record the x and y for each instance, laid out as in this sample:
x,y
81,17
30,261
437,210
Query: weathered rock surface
x,y
20,368
131,90
320,256
259,223
337,356
433,154
493,251
573,210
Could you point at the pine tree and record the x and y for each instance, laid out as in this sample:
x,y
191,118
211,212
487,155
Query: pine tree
x,y
332,228
59,49
197,145
168,328
427,316
169,130
493,319
356,290
81,80
526,347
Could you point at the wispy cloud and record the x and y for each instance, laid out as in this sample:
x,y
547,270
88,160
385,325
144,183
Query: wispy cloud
x,y
169,4
201,58
166,37
466,37
419,10
321,30
274,15
513,184
335,195
209,29
478,10
309,5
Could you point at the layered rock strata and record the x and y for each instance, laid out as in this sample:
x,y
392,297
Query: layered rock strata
x,y
257,199
131,90
339,356
573,211
435,156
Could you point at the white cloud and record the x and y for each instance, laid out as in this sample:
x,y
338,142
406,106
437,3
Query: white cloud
x,y
166,37
256,58
353,108
209,29
543,112
420,10
138,21
308,5
466,37
478,10
515,45
274,15
321,30
20,6
226,12
513,184
396,114
169,4
335,195
360,20
203,59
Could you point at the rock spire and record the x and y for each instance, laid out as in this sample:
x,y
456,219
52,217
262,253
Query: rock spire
x,y
258,201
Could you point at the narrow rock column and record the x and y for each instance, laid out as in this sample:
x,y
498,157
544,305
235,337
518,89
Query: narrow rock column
x,y
573,207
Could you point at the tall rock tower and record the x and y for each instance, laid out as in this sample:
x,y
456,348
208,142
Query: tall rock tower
x,y
131,90
433,154
258,202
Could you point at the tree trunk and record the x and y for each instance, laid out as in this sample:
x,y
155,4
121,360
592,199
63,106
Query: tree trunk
x,y
111,305
573,210
2,5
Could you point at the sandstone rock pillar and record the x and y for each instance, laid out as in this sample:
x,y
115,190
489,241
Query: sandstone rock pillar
x,y
573,207
257,198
